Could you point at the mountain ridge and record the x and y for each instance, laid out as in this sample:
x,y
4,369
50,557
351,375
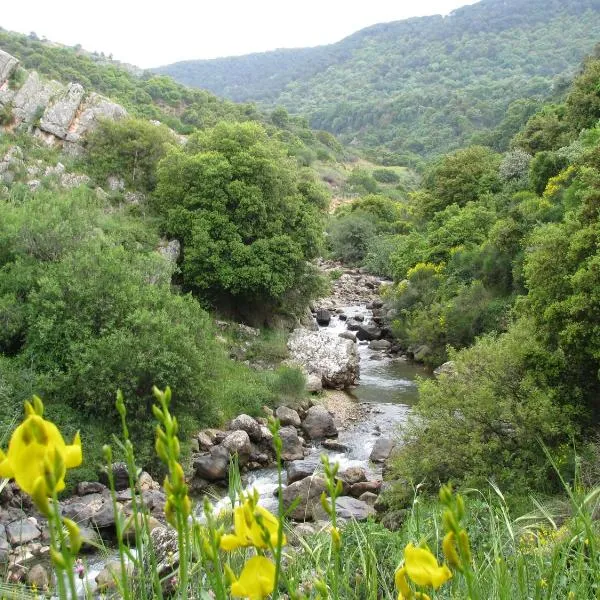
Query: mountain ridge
x,y
423,85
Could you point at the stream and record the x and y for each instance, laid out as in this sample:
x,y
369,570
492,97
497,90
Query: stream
x,y
386,391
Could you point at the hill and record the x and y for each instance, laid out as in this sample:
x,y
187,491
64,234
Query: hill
x,y
419,86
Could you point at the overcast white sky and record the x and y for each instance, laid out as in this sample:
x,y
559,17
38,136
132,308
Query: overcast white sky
x,y
149,33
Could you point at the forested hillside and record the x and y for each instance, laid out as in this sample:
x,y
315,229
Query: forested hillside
x,y
420,86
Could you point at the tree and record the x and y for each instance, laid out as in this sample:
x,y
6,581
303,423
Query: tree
x,y
247,218
129,148
464,176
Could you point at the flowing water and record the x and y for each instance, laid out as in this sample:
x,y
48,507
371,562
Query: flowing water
x,y
387,389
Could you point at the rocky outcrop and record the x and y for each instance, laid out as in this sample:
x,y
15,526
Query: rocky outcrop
x,y
7,65
33,96
94,108
65,113
334,359
58,116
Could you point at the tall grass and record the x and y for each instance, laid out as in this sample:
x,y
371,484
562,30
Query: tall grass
x,y
549,552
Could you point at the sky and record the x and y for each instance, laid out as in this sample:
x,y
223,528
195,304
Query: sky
x,y
151,33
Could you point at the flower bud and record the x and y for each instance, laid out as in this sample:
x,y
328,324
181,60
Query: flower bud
x,y
325,503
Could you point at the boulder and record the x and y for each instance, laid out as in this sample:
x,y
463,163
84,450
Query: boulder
x,y
249,425
382,449
166,550
107,578
213,466
353,475
4,545
301,469
352,508
334,445
352,324
170,250
238,442
346,508
288,416
58,116
308,491
89,487
369,497
448,368
319,424
120,475
7,65
334,359
380,345
368,331
292,446
22,531
323,317
314,384
91,509
205,441
347,335
38,577
91,539
359,488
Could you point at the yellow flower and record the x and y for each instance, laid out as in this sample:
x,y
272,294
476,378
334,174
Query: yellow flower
x,y
402,584
256,581
36,446
422,567
248,531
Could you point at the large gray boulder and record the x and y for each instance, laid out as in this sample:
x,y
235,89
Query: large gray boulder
x,y
95,510
319,424
213,466
33,96
368,331
288,416
352,508
22,531
382,449
292,446
308,491
301,469
4,545
238,442
334,359
7,65
58,116
249,425
94,108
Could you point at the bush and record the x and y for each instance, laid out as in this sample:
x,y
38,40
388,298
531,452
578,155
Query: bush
x,y
349,237
130,149
385,176
487,421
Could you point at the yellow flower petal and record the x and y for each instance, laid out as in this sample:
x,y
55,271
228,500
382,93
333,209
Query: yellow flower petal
x,y
402,583
422,567
34,444
231,542
256,581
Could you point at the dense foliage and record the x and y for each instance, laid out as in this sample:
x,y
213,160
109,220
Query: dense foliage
x,y
420,86
248,220
87,307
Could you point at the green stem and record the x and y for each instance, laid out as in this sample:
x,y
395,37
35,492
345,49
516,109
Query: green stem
x,y
66,552
280,510
60,582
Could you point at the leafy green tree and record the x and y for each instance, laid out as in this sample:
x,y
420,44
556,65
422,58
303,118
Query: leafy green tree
x,y
583,101
544,166
129,149
464,176
247,220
